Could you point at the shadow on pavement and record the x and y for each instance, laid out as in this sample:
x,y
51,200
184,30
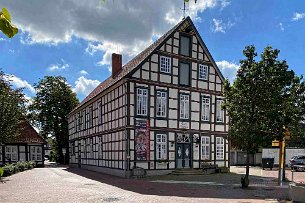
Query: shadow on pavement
x,y
225,186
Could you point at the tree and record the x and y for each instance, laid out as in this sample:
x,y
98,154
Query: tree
x,y
264,101
12,103
52,103
6,25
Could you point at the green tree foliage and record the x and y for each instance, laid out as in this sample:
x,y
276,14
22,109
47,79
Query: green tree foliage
x,y
265,99
6,25
52,103
12,103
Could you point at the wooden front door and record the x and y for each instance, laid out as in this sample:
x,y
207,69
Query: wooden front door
x,y
183,151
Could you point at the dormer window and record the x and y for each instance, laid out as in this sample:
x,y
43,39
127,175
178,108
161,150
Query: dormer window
x,y
165,64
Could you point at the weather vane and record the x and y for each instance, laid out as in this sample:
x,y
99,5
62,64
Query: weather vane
x,y
184,7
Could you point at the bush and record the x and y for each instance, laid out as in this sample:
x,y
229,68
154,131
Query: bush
x,y
10,169
1,172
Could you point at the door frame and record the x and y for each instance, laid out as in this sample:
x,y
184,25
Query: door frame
x,y
191,148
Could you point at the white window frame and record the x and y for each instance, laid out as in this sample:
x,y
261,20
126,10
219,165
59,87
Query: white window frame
x,y
35,154
11,152
205,147
219,111
220,148
203,72
161,104
142,101
161,146
184,106
205,108
165,64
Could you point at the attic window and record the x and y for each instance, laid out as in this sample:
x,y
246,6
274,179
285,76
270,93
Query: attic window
x,y
185,45
165,64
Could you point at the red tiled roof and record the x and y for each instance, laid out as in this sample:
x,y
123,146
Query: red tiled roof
x,y
28,134
127,68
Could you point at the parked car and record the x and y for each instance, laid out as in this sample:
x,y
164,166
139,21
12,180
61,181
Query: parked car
x,y
297,160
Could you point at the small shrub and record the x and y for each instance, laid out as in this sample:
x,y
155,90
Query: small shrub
x,y
1,172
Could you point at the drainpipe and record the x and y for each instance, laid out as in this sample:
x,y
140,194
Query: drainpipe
x,y
127,156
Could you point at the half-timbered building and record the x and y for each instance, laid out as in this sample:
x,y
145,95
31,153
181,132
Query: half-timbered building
x,y
161,111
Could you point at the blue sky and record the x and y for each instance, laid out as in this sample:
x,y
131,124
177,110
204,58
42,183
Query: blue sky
x,y
75,39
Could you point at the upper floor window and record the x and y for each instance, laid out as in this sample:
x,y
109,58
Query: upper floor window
x,y
219,148
219,111
205,147
184,74
79,120
203,72
84,120
205,110
90,116
161,104
11,153
165,64
185,45
99,106
161,146
142,96
184,106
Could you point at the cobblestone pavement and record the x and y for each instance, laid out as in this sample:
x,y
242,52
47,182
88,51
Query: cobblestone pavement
x,y
60,184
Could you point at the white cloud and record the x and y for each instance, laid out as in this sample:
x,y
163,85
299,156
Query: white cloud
x,y
2,39
282,27
83,72
219,26
228,69
84,85
59,66
19,83
224,3
298,16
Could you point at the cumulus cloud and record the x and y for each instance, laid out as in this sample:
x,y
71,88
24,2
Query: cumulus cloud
x,y
282,27
83,72
224,3
59,66
19,83
2,39
128,25
220,26
298,16
228,69
84,85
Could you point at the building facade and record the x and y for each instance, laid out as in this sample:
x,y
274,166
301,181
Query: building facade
x,y
161,111
27,146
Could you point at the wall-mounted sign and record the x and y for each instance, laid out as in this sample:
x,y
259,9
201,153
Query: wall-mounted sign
x,y
142,141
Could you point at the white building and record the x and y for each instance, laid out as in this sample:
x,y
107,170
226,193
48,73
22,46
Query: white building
x,y
161,111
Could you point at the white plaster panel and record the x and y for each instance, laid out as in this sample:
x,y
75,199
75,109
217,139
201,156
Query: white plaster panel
x,y
175,50
195,106
176,35
154,67
200,56
154,76
194,84
195,164
137,74
152,134
218,79
176,42
220,163
161,123
173,123
206,58
194,54
145,75
172,164
151,111
154,58
131,88
22,156
152,122
211,86
196,96
212,78
195,125
169,41
211,70
165,78
169,48
173,114
175,62
195,151
161,165
162,48
142,165
200,49
218,87
202,85
175,80
205,126
173,93
194,74
184,125
152,155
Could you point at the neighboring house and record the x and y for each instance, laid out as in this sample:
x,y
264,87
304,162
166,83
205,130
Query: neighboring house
x,y
161,111
27,146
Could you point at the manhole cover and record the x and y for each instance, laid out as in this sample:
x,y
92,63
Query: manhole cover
x,y
111,199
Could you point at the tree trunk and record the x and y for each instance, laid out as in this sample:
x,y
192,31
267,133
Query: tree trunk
x,y
245,179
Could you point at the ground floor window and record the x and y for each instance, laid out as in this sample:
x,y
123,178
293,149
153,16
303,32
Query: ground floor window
x,y
161,146
205,148
36,153
11,153
219,148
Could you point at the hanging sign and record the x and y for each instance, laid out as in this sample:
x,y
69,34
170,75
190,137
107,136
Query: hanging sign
x,y
142,140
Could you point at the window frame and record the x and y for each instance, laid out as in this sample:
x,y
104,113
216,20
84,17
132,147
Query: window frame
x,y
218,109
35,153
180,75
137,104
182,35
199,71
169,61
162,152
180,107
203,97
219,147
206,146
10,152
165,103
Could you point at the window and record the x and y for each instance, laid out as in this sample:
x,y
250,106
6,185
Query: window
x,y
11,153
203,72
165,64
185,45
205,109
36,153
161,104
75,123
219,148
142,101
161,146
99,106
79,121
90,117
184,106
0,153
100,147
184,74
219,111
84,120
205,148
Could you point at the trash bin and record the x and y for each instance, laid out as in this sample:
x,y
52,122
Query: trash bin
x,y
267,163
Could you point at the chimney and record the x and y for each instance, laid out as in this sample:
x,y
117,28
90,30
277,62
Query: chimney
x,y
116,64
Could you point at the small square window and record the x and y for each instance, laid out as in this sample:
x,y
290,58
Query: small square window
x,y
165,64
